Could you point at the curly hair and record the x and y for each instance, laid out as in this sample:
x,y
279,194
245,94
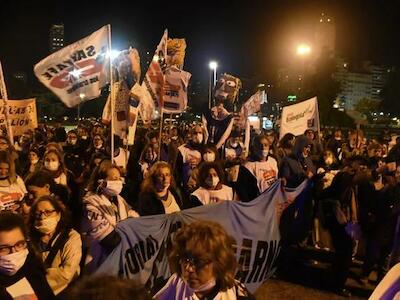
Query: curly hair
x,y
148,184
204,170
207,240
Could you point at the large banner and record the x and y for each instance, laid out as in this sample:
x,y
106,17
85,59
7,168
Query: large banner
x,y
77,73
22,115
299,117
142,253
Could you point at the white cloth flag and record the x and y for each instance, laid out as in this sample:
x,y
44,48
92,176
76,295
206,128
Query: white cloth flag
x,y
77,73
175,90
154,78
251,106
299,117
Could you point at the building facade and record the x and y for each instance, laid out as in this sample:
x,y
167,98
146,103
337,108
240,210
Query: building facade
x,y
56,37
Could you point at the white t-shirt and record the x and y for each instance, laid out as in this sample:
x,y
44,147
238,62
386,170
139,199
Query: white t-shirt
x,y
177,289
172,205
266,172
12,194
213,196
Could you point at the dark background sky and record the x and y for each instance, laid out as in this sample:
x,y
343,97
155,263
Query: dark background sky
x,y
246,37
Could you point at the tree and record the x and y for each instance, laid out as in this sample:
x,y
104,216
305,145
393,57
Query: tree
x,y
366,107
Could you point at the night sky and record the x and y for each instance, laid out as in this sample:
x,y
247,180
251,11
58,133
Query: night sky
x,y
247,38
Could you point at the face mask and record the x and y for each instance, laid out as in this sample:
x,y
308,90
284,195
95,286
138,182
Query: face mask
x,y
47,225
98,146
113,187
11,263
51,165
198,138
34,161
234,145
174,137
265,153
212,182
73,141
206,286
84,137
209,156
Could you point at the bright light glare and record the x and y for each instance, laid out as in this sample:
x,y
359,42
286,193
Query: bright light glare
x,y
113,54
75,73
213,65
303,49
82,95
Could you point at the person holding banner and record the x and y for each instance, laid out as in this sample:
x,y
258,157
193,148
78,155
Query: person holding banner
x,y
158,194
103,208
262,165
203,264
211,189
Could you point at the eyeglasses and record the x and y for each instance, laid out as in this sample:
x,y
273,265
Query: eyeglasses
x,y
20,245
193,262
46,213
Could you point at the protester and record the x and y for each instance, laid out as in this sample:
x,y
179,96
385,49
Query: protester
x,y
103,208
262,165
21,273
12,187
60,246
33,164
212,189
203,264
158,193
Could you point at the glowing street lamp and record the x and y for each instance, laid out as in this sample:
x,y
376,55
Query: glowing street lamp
x,y
213,65
303,49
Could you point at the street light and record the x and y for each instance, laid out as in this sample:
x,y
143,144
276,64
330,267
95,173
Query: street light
x,y
213,65
303,49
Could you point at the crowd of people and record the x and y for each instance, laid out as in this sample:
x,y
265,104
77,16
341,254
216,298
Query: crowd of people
x,y
62,195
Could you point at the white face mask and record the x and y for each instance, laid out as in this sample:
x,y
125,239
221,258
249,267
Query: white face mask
x,y
235,144
72,141
113,187
98,146
209,156
265,153
212,182
34,161
47,225
52,165
11,263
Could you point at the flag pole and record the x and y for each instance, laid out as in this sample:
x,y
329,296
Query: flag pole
x,y
3,92
112,95
161,127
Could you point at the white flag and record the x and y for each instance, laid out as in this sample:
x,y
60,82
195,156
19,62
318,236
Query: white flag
x,y
154,79
299,117
252,105
77,73
175,90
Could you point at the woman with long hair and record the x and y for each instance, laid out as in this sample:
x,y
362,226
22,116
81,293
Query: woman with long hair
x,y
59,245
103,208
158,194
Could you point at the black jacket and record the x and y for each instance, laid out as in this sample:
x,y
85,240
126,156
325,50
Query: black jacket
x,y
149,204
34,273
